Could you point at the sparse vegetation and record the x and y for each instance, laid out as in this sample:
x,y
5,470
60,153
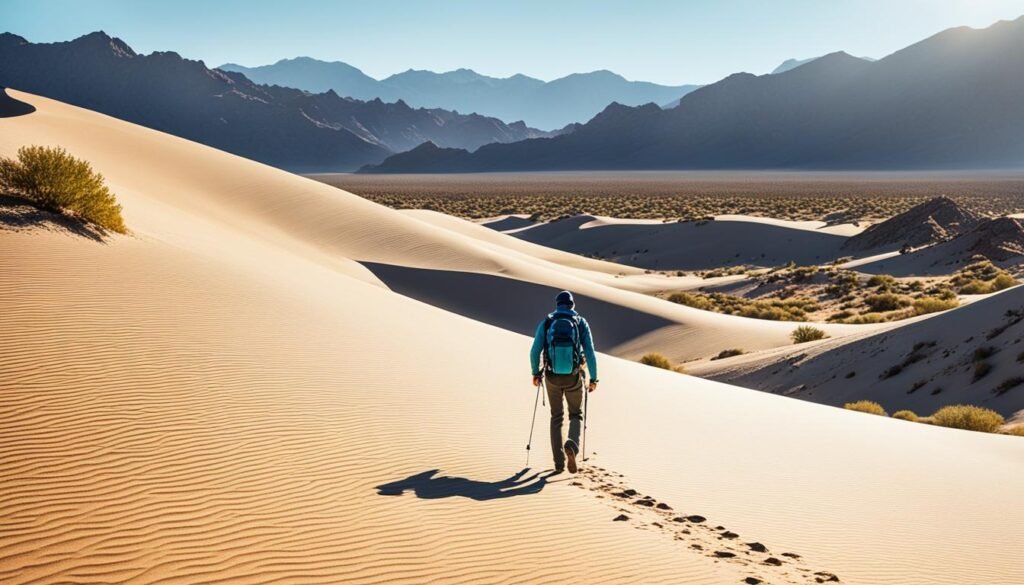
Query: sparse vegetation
x,y
981,278
728,353
656,360
981,369
886,302
771,310
968,417
806,333
866,406
1017,431
1008,384
674,195
53,179
926,305
905,415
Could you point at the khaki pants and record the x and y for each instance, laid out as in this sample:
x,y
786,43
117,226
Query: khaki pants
x,y
569,387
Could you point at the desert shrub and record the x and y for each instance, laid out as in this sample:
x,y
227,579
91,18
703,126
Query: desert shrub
x,y
984,352
968,417
806,333
981,369
656,360
865,319
1008,384
925,305
1017,431
886,302
728,353
881,281
53,179
982,278
905,415
866,406
692,300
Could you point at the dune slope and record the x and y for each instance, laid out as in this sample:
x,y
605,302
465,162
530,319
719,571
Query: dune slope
x,y
227,396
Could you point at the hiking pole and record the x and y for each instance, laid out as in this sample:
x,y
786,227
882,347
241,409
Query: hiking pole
x,y
533,421
586,408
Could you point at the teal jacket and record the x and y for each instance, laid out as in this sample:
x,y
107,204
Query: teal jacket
x,y
540,337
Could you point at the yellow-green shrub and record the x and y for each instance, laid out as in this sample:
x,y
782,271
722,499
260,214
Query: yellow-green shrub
x,y
905,415
806,333
925,305
968,417
53,179
656,360
866,406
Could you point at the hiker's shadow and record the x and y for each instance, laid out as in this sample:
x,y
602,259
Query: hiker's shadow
x,y
429,485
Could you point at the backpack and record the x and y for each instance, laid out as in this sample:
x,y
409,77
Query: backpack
x,y
563,345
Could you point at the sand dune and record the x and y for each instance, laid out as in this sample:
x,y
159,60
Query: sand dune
x,y
228,396
920,365
695,245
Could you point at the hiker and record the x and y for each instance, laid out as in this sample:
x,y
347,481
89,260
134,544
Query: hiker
x,y
564,340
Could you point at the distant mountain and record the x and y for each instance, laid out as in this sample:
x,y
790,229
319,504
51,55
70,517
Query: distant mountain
x,y
555,104
789,64
276,125
955,100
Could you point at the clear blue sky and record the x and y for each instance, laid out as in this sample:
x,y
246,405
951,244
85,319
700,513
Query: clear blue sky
x,y
674,42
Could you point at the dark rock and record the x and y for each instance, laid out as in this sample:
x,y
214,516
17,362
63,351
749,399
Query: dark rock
x,y
724,554
753,581
663,506
645,503
730,535
773,561
696,519
621,518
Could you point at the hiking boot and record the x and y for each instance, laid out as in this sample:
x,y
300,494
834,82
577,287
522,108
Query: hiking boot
x,y
570,456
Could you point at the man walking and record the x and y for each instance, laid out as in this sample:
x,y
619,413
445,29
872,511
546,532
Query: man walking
x,y
563,339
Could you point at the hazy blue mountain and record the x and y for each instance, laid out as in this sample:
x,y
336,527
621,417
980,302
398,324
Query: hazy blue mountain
x,y
794,63
282,126
317,76
549,105
955,100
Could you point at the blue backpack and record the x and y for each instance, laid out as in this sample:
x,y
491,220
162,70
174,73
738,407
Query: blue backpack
x,y
563,347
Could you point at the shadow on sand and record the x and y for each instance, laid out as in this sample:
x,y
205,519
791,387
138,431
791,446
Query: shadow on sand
x,y
17,214
428,485
10,107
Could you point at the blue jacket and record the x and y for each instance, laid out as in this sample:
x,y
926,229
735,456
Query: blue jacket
x,y
540,337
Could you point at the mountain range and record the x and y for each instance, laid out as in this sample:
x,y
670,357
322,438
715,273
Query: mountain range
x,y
281,126
954,100
553,104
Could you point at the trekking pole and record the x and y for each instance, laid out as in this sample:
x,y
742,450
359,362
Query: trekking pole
x,y
586,408
533,421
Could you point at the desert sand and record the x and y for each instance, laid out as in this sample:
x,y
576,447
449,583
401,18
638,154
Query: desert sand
x,y
229,395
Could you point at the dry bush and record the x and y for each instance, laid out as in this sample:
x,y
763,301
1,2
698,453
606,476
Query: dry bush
x,y
926,305
905,415
53,179
728,353
806,333
1017,431
968,417
656,360
886,302
866,406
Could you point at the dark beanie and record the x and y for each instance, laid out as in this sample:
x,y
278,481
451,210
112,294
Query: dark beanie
x,y
564,298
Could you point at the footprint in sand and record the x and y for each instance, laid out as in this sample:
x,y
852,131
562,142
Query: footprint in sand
x,y
693,530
